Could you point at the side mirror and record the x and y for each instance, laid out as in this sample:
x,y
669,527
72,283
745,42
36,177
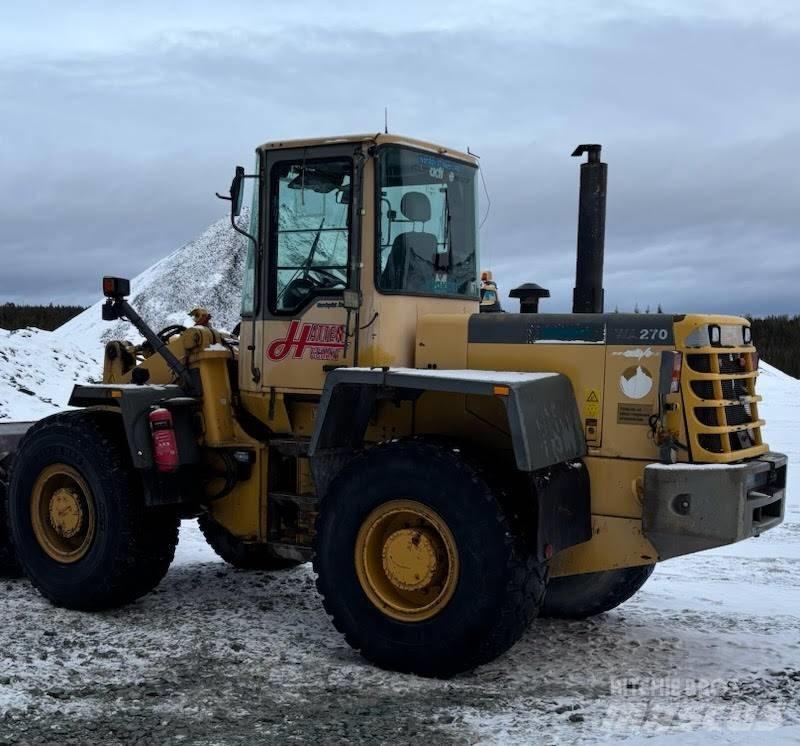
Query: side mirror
x,y
235,198
237,193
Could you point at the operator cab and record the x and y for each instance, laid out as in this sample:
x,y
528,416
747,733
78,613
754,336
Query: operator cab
x,y
350,241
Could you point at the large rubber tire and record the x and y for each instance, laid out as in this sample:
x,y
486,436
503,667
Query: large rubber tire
x,y
500,585
132,546
589,594
245,556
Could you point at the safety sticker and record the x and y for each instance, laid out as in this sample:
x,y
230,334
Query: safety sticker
x,y
634,414
591,404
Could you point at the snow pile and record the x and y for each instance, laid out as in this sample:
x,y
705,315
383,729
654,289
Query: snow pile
x,y
771,374
39,368
205,272
37,372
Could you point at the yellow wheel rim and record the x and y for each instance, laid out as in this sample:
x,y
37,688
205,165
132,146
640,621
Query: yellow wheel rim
x,y
406,560
62,513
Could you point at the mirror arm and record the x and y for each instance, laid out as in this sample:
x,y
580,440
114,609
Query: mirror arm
x,y
233,217
242,231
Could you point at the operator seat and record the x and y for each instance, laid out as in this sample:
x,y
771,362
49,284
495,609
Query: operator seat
x,y
413,253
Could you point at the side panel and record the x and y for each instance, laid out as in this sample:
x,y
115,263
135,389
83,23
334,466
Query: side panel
x,y
617,486
583,365
615,543
296,351
631,397
572,344
244,511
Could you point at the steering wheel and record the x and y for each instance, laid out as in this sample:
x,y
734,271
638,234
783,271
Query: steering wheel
x,y
330,279
170,331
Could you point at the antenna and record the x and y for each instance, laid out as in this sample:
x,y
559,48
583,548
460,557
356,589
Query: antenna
x,y
386,120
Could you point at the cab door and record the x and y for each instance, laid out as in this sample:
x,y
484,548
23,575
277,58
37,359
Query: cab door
x,y
310,249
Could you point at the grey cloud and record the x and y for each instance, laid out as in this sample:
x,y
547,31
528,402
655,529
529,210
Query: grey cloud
x,y
112,159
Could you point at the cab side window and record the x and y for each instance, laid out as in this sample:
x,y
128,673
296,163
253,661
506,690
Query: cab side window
x,y
310,241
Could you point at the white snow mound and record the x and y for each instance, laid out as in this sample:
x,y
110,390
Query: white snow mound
x,y
205,272
39,368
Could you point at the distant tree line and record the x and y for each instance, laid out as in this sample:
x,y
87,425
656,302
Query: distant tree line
x,y
47,317
777,339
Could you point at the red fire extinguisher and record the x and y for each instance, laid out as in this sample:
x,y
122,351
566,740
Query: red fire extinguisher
x,y
165,445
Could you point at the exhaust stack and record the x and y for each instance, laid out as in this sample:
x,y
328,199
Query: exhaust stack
x,y
588,294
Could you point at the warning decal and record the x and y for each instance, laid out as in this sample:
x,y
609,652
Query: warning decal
x,y
591,404
634,414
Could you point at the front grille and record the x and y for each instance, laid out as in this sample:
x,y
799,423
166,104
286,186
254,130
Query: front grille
x,y
718,386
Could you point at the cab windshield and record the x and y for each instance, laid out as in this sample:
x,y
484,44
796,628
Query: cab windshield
x,y
427,234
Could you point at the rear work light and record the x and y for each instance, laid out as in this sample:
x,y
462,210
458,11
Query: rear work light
x,y
677,364
749,361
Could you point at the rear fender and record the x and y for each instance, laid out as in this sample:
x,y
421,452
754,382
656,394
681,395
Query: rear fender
x,y
541,411
134,403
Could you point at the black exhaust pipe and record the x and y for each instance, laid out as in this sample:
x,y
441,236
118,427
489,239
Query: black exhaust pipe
x,y
588,294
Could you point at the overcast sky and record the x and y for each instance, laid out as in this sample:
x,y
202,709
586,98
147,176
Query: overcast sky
x,y
118,121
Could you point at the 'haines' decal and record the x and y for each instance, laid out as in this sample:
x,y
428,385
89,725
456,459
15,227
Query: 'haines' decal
x,y
324,341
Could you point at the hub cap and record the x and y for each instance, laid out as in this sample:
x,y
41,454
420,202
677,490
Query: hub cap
x,y
406,560
62,513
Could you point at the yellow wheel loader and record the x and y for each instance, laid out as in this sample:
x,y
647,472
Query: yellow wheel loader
x,y
451,474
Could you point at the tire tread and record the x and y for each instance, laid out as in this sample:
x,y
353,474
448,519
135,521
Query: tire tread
x,y
149,536
527,578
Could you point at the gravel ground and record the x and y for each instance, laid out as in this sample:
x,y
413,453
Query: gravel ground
x,y
217,656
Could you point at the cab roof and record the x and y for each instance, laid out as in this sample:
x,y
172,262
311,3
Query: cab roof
x,y
374,138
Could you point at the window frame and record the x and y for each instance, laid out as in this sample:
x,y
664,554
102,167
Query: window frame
x,y
377,270
257,245
272,254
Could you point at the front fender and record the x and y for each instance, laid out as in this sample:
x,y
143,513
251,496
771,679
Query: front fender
x,y
543,418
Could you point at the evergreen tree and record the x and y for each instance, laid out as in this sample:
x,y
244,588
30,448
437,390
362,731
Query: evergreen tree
x,y
47,317
777,339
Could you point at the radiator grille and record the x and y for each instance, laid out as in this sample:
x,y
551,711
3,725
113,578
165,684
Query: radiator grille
x,y
719,394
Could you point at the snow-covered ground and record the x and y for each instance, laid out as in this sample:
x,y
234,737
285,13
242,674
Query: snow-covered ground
x,y
37,373
707,652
